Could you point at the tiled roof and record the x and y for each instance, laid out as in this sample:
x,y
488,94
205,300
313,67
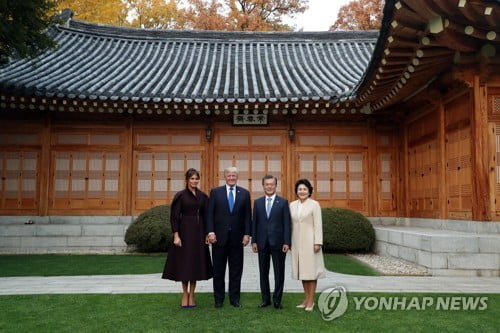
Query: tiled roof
x,y
120,64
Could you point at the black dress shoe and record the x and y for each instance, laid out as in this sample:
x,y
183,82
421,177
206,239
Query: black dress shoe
x,y
236,304
218,305
278,306
264,304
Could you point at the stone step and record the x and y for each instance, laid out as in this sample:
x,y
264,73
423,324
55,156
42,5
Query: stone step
x,y
443,252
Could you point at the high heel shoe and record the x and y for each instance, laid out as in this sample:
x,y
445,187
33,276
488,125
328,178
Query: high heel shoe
x,y
309,309
301,306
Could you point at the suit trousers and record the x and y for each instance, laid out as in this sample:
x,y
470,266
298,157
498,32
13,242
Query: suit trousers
x,y
231,254
278,257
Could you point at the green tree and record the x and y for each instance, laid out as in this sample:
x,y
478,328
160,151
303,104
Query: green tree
x,y
23,27
360,15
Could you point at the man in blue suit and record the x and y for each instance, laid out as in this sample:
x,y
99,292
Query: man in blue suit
x,y
271,238
228,225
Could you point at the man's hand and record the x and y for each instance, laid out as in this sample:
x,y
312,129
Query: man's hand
x,y
212,238
246,239
255,248
285,248
317,247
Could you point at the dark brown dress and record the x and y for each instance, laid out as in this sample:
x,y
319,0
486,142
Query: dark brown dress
x,y
191,261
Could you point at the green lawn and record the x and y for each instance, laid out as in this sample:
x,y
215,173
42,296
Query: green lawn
x,y
61,265
161,313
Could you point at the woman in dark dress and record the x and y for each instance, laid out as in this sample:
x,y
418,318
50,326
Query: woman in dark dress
x,y
188,257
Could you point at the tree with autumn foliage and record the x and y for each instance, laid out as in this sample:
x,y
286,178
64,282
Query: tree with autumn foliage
x,y
112,12
360,15
241,15
158,14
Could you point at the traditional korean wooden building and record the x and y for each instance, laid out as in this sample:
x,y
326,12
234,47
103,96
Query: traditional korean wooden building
x,y
401,122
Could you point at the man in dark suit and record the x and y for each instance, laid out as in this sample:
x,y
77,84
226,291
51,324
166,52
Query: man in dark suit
x,y
271,238
228,225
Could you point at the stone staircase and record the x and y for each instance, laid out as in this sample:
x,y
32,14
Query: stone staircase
x,y
63,234
444,247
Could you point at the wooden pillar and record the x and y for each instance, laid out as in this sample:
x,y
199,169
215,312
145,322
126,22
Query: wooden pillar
x,y
373,172
45,168
404,206
128,152
481,209
441,141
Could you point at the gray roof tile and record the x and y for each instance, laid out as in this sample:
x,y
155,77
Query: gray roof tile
x,y
103,62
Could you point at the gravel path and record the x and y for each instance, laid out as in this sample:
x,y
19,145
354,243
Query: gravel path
x,y
391,266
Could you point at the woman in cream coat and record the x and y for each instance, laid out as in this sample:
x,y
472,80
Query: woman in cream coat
x,y
307,238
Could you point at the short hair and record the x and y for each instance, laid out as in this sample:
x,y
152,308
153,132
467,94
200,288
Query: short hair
x,y
305,182
231,169
270,177
189,173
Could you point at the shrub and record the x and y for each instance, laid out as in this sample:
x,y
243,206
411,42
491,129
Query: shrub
x,y
346,231
151,231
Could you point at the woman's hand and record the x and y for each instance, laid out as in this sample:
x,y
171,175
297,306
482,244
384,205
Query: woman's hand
x,y
317,247
177,240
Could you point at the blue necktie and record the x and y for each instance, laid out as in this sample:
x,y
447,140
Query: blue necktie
x,y
230,199
268,206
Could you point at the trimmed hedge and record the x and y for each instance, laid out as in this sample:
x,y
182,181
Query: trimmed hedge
x,y
346,231
151,232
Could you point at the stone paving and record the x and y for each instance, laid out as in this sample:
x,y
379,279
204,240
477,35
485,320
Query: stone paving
x,y
152,283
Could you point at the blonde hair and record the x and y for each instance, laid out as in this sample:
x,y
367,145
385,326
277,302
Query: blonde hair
x,y
231,169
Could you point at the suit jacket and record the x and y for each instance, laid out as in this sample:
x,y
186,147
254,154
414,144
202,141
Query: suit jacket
x,y
275,230
220,220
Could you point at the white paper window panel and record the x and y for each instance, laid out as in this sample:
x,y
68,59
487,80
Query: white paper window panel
x,y
314,140
386,165
322,163
11,185
105,139
242,183
194,160
95,184
323,186
355,186
144,139
242,165
266,140
143,194
112,163
79,162
234,140
29,164
176,185
339,186
186,140
12,164
111,185
144,185
258,163
386,186
144,164
95,163
306,166
77,185
257,185
160,185
355,165
161,163
62,163
339,165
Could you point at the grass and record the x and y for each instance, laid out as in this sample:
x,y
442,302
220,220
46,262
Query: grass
x,y
344,264
161,313
64,265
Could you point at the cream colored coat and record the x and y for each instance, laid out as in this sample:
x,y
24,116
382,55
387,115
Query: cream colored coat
x,y
307,230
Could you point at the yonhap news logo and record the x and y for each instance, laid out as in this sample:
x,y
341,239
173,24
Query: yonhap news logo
x,y
333,303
